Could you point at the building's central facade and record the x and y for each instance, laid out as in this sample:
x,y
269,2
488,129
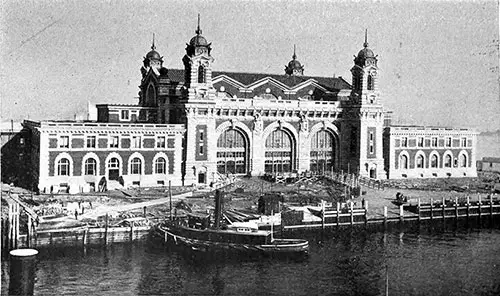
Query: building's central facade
x,y
245,123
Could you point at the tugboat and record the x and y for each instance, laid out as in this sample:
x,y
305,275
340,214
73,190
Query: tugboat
x,y
196,233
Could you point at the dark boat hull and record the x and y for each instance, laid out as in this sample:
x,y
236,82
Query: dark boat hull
x,y
277,247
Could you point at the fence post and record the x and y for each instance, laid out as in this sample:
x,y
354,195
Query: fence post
x,y
106,231
366,212
338,214
85,237
401,213
443,205
352,212
322,214
456,208
418,210
468,208
432,208
385,217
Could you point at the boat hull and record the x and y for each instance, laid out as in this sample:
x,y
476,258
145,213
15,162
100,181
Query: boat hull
x,y
275,248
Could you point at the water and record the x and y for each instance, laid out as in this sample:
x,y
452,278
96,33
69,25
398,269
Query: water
x,y
415,262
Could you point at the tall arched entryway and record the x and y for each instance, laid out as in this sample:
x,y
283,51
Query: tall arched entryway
x,y
232,152
279,152
322,151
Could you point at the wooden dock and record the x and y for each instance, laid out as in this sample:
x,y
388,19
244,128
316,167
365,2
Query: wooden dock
x,y
434,211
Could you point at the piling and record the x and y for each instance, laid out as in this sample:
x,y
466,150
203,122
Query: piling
x,y
443,205
418,210
366,212
401,213
479,208
85,237
432,208
385,217
106,230
322,214
468,208
338,214
456,208
352,212
22,271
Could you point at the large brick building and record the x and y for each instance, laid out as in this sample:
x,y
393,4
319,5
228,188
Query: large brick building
x,y
192,125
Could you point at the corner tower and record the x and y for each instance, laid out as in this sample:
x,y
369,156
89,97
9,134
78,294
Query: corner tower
x,y
198,67
366,116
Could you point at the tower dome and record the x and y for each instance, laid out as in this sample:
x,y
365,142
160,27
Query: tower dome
x,y
365,56
294,66
198,44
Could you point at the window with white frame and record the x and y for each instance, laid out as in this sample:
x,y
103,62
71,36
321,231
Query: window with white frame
x,y
90,167
64,142
420,142
448,141
447,161
63,167
464,142
136,142
113,141
420,161
371,145
91,141
125,115
463,161
434,142
434,161
160,142
404,142
160,165
135,166
403,161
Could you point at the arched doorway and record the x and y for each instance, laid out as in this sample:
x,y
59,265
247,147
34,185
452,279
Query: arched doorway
x,y
114,169
232,152
279,152
322,152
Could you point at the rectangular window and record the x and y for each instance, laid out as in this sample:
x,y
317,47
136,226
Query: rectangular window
x,y
448,142
136,142
201,149
404,142
464,142
201,135
420,142
434,142
113,142
371,137
91,140
371,148
125,115
64,142
160,142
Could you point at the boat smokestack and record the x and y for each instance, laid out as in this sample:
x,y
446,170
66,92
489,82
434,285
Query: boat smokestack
x,y
219,195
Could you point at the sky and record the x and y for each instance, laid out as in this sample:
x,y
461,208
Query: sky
x,y
439,61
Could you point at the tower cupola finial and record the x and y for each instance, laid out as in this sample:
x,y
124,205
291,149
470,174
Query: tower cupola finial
x,y
153,47
366,38
198,29
294,55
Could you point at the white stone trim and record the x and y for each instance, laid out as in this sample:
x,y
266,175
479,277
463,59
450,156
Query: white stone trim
x,y
420,153
167,162
108,158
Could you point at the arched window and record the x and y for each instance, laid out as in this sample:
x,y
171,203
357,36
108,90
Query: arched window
x,y
403,162
232,152
278,155
90,167
434,161
463,161
447,161
369,83
322,151
135,166
63,167
160,165
201,74
420,161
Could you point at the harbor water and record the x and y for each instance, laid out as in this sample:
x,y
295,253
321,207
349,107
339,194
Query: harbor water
x,y
422,261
